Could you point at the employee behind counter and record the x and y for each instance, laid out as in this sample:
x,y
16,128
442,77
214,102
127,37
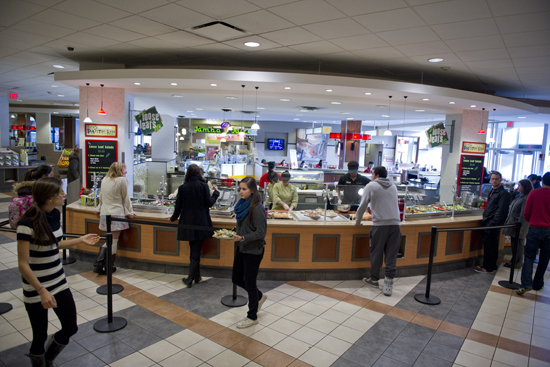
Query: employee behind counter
x,y
285,195
350,184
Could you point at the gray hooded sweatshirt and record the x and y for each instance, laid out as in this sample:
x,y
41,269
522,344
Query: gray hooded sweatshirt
x,y
382,196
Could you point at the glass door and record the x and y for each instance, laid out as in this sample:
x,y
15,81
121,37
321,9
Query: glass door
x,y
527,162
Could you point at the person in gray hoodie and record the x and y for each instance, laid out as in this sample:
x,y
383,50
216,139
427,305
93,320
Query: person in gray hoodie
x,y
385,234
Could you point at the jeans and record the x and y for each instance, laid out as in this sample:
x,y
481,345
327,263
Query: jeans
x,y
38,316
537,238
384,240
245,272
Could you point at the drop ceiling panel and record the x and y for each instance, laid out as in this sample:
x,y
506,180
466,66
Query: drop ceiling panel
x,y
220,9
358,7
509,7
379,53
155,43
291,36
336,28
478,66
453,11
407,36
307,12
61,45
14,11
317,48
359,42
270,3
115,33
89,39
91,10
134,6
259,22
177,16
481,55
43,29
527,38
430,49
475,43
55,17
265,44
390,20
529,51
185,39
144,26
471,28
523,22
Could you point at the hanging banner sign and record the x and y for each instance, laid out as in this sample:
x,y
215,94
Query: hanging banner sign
x,y
437,135
470,175
218,130
473,147
149,121
101,130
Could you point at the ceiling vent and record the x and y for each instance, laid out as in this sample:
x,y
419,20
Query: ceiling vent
x,y
310,108
218,31
248,112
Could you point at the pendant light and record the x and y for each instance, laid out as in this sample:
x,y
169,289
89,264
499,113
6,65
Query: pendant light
x,y
255,125
87,119
242,134
388,132
101,112
481,131
404,114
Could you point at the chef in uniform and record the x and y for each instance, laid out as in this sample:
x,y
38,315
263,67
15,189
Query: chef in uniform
x,y
285,195
350,184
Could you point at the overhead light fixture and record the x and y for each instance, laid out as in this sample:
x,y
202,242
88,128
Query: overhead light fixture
x,y
425,99
231,97
284,100
388,132
335,102
385,115
182,138
452,102
198,109
58,66
473,105
173,83
55,113
87,119
345,113
404,113
223,140
368,94
61,95
177,96
101,111
261,108
435,59
288,88
213,85
178,134
296,119
255,125
241,133
251,44
54,86
183,131
136,83
328,90
481,131
419,110
522,117
349,118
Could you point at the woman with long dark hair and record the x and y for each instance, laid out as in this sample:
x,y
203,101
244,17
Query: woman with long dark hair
x,y
249,252
39,172
44,285
264,180
193,205
535,180
515,215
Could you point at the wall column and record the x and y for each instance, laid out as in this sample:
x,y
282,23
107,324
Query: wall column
x,y
43,128
162,141
4,120
347,154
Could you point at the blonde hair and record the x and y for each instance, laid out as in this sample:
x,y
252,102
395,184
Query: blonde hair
x,y
116,170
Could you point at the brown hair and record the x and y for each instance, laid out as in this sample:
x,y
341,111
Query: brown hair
x,y
527,186
43,190
36,173
380,171
193,171
250,182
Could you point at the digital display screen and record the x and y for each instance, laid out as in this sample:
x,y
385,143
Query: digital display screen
x,y
276,144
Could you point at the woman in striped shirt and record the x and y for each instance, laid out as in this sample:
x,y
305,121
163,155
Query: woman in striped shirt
x,y
39,236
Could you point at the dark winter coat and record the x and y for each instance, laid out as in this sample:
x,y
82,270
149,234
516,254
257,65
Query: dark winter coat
x,y
193,208
73,173
496,212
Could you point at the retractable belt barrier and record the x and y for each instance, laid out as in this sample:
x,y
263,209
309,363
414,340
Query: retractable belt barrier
x,y
433,300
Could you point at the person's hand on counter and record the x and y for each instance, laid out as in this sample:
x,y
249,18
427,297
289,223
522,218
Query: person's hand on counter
x,y
131,216
96,212
291,208
286,207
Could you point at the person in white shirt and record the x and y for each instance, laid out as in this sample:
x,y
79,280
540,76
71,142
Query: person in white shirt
x,y
395,169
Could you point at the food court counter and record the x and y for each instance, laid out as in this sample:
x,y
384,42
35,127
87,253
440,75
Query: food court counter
x,y
302,249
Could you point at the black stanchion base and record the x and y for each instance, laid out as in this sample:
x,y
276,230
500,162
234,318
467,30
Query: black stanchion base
x,y
229,301
102,326
68,261
431,300
506,284
117,288
5,307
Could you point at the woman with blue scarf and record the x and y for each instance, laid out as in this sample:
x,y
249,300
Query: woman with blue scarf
x,y
249,249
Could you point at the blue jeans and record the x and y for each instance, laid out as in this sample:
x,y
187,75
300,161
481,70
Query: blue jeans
x,y
536,238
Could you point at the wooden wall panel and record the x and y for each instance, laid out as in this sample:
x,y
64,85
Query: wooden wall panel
x,y
326,248
454,243
166,241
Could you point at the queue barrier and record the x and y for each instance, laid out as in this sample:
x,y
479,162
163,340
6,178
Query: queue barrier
x,y
428,299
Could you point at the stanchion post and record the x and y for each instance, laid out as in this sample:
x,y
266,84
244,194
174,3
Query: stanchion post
x,y
109,289
426,298
234,300
111,323
5,307
510,284
65,260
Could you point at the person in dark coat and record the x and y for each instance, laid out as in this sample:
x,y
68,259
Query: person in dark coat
x,y
193,204
517,208
73,173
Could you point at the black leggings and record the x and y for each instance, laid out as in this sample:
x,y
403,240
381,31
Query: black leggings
x,y
245,272
65,311
195,250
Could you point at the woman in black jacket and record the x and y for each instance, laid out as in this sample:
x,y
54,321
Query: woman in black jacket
x,y
193,208
249,249
516,215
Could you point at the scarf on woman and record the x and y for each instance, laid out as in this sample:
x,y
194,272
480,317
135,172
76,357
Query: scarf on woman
x,y
241,208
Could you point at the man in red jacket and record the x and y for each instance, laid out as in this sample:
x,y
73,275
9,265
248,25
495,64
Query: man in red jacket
x,y
537,213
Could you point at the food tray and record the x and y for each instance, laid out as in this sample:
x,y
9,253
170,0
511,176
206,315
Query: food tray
x,y
302,217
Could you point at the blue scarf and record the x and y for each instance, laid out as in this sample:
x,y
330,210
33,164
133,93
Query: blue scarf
x,y
241,209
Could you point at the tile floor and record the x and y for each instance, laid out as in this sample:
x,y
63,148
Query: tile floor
x,y
323,323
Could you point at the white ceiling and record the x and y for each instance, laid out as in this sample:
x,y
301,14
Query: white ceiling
x,y
499,47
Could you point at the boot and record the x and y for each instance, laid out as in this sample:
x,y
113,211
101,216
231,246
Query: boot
x,y
193,266
53,349
37,361
99,264
198,277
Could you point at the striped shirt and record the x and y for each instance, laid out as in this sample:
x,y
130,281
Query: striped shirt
x,y
43,260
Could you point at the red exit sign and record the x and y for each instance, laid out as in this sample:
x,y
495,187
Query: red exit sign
x,y
510,124
13,96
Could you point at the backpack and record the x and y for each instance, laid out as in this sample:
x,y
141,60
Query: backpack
x,y
18,207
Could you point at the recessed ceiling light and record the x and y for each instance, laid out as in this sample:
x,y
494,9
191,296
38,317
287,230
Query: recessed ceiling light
x,y
288,88
349,118
190,111
304,111
435,59
296,119
56,112
261,108
419,110
425,99
452,102
177,95
198,109
61,95
328,90
58,66
173,83
213,85
345,113
231,97
19,100
368,94
335,102
284,100
473,105
385,115
136,83
54,86
251,44
522,117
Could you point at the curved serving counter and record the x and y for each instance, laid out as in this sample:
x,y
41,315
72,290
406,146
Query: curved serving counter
x,y
295,250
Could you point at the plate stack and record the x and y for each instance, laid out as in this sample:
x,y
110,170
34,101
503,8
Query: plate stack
x,y
223,212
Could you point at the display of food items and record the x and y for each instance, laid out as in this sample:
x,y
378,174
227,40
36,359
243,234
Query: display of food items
x,y
366,216
221,208
433,208
313,215
226,234
278,215
344,208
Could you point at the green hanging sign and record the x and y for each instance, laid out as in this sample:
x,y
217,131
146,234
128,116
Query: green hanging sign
x,y
149,121
437,135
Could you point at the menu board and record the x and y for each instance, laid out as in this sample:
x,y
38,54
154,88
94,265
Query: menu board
x,y
100,154
470,175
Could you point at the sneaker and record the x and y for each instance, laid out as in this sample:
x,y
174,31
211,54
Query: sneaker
x,y
481,269
246,322
507,265
387,288
262,300
522,291
372,283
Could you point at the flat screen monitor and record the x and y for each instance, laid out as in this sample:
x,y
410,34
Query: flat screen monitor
x,y
276,144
